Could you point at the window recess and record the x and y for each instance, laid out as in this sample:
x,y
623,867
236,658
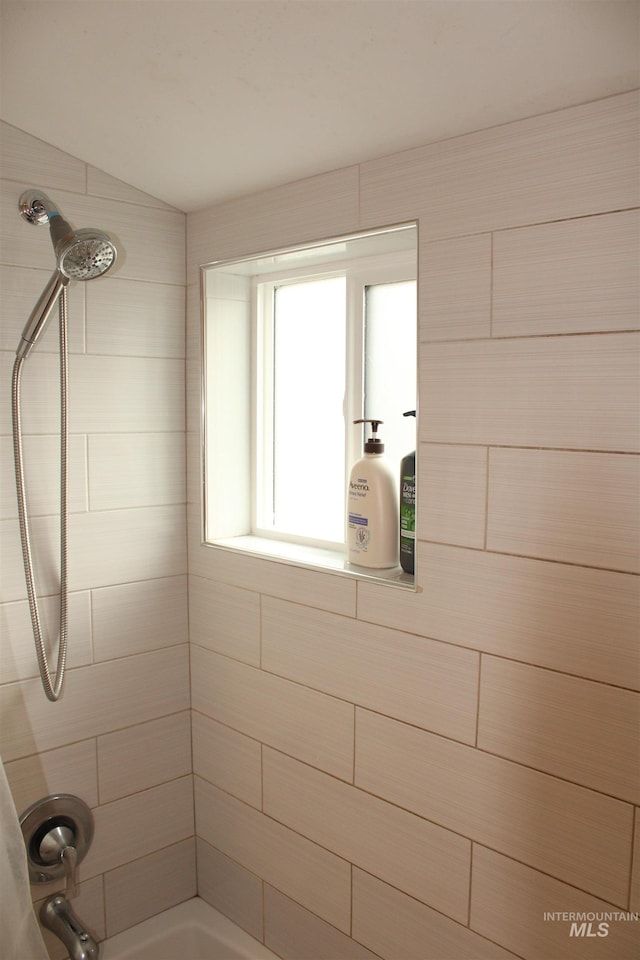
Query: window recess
x,y
296,345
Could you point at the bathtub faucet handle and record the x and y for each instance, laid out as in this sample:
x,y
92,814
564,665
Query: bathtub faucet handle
x,y
69,857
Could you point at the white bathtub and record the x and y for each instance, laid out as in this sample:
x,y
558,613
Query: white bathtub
x,y
191,931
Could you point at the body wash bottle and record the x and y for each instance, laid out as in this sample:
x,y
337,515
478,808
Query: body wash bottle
x,y
372,507
408,508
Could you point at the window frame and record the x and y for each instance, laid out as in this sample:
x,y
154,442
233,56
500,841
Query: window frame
x,y
358,275
398,265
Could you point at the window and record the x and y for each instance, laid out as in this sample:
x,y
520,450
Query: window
x,y
300,464
297,345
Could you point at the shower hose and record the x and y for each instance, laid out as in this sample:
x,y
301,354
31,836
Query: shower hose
x,y
52,687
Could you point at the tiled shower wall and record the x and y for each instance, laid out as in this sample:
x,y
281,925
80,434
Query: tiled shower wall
x,y
120,737
424,775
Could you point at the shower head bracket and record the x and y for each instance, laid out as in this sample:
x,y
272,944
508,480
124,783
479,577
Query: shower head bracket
x,y
36,207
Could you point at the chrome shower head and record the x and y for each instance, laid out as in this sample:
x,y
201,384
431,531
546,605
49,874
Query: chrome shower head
x,y
81,254
85,254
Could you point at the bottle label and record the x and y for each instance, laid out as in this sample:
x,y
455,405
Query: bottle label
x,y
409,490
361,532
407,518
358,488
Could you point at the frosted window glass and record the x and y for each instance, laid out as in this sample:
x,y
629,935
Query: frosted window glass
x,y
308,420
390,363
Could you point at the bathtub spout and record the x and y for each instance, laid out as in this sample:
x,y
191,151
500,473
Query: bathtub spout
x,y
57,915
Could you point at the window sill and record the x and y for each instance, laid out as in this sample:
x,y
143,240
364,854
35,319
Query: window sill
x,y
313,558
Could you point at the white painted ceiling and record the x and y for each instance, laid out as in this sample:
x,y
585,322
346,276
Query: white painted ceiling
x,y
197,101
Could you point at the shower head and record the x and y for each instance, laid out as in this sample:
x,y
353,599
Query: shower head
x,y
80,255
84,254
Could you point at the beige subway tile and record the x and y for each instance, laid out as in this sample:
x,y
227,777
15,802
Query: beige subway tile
x,y
455,290
111,394
578,392
316,878
194,473
136,470
570,277
134,318
145,887
574,619
509,902
18,659
293,932
121,394
578,508
69,769
193,448
40,412
634,900
227,759
573,728
142,823
225,618
41,458
395,925
418,857
132,545
142,543
452,486
575,834
322,206
304,723
97,699
417,680
234,891
193,332
144,756
131,618
570,163
311,587
20,288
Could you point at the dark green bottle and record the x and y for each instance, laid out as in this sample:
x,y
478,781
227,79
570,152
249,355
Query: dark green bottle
x,y
408,508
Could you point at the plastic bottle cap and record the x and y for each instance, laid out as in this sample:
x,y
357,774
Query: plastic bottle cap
x,y
374,445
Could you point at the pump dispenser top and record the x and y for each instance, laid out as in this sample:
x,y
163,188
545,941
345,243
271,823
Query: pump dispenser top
x,y
374,444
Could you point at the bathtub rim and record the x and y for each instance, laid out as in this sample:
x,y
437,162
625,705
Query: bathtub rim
x,y
193,911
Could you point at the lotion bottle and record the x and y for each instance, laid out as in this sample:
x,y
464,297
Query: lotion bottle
x,y
372,507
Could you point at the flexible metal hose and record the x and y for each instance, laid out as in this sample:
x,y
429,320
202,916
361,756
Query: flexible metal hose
x,y
52,688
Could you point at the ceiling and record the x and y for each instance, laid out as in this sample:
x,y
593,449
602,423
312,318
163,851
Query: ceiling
x,y
197,101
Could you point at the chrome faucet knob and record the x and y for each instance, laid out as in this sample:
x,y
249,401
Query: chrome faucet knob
x,y
55,842
57,832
